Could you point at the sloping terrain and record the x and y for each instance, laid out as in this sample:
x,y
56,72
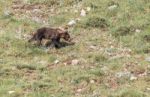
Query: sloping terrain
x,y
111,56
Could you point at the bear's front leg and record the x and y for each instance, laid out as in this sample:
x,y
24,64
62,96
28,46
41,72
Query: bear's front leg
x,y
39,42
56,43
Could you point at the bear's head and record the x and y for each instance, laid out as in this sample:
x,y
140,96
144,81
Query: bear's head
x,y
64,34
32,37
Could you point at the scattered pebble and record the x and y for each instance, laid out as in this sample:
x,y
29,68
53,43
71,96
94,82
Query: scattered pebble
x,y
75,62
26,36
92,81
112,7
76,11
56,61
26,1
83,13
78,19
52,9
142,74
123,74
88,9
36,19
14,68
10,92
148,89
72,22
47,50
66,10
105,69
133,78
7,13
42,62
148,59
138,30
79,90
92,47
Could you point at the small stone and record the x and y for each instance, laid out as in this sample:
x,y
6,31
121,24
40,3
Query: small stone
x,y
112,7
76,11
65,64
78,19
7,13
133,78
56,61
47,50
88,9
123,74
148,59
52,10
26,1
43,62
138,30
36,10
92,81
148,89
26,36
142,74
92,47
75,62
79,90
72,22
105,68
66,10
10,92
83,13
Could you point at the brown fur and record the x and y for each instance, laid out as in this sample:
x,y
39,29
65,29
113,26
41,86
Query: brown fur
x,y
54,34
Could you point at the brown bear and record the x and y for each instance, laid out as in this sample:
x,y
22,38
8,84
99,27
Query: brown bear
x,y
54,34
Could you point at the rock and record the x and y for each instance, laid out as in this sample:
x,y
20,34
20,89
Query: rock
x,y
142,74
112,7
66,10
78,19
105,69
79,90
10,92
37,19
148,89
96,93
47,50
7,13
88,9
43,62
36,10
92,81
148,59
26,1
75,62
56,61
123,74
133,78
92,47
83,13
52,9
138,30
72,22
76,11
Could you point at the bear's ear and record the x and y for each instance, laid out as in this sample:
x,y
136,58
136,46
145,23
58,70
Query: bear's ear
x,y
32,33
65,27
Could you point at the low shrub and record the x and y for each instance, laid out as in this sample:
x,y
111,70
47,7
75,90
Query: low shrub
x,y
96,21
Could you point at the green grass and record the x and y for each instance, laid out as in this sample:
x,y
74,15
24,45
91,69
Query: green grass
x,y
107,42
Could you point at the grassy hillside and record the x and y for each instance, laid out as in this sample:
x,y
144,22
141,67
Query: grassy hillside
x,y
111,57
